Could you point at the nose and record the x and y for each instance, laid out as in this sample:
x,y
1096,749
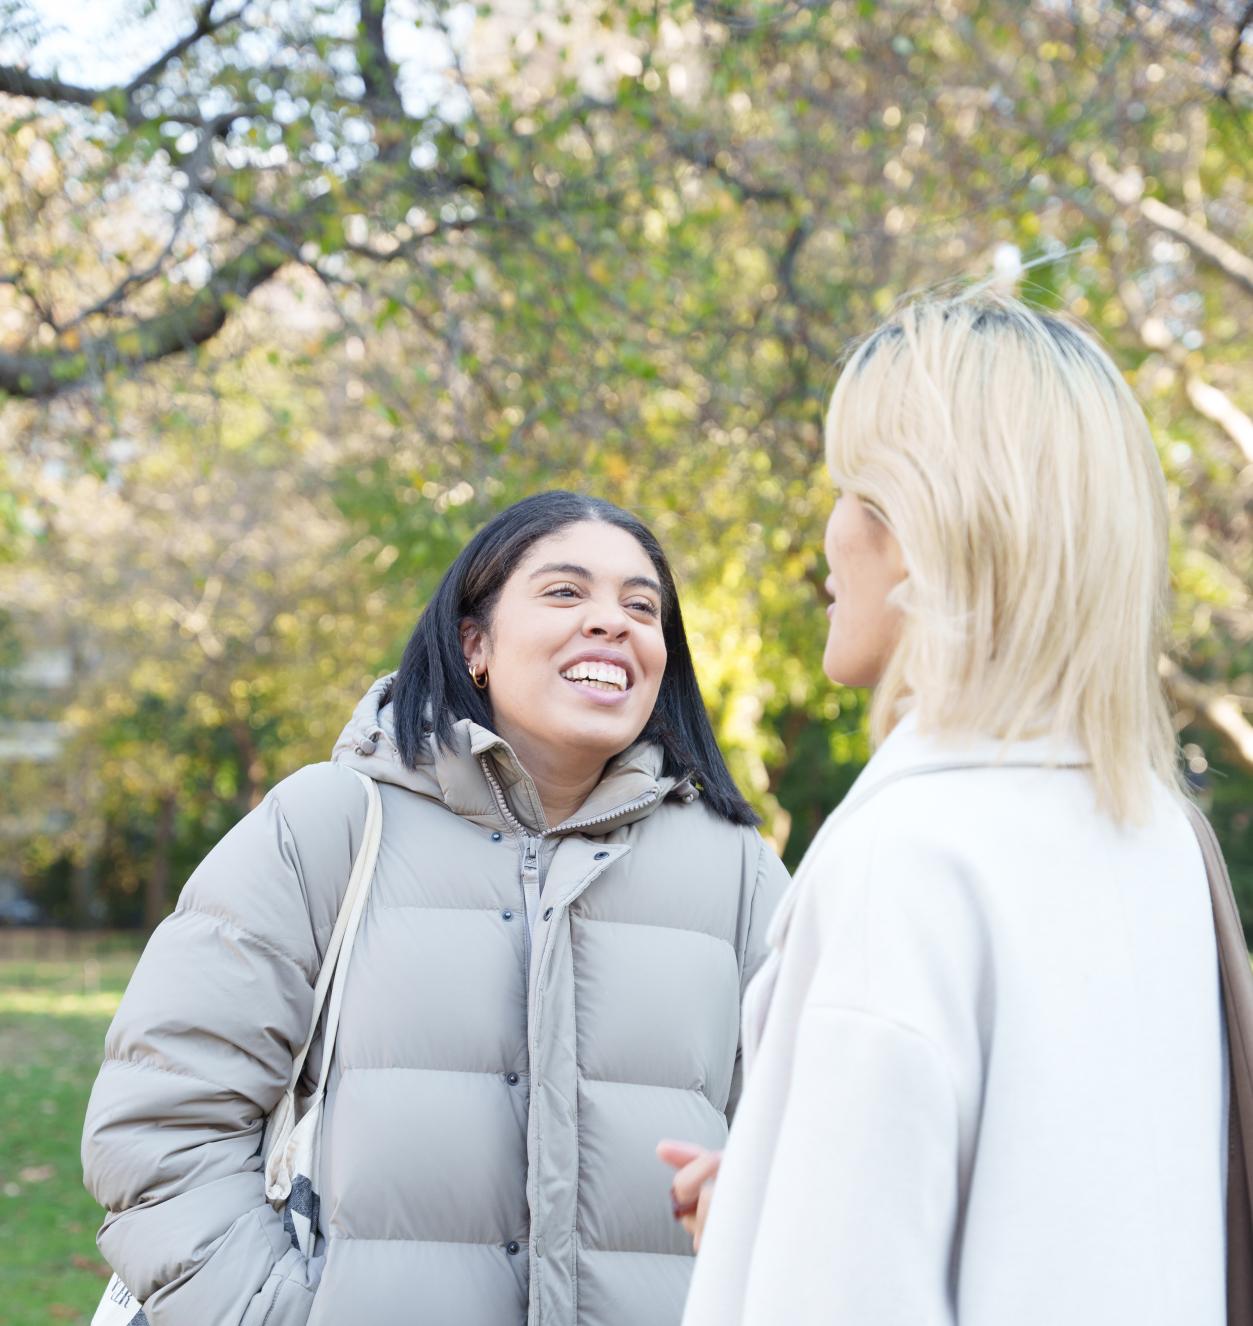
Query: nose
x,y
606,620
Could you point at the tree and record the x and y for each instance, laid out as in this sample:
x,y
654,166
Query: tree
x,y
222,625
621,247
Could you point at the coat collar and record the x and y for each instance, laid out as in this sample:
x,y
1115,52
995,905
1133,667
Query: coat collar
x,y
631,786
910,749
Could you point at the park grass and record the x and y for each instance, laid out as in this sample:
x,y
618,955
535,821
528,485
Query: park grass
x,y
53,1016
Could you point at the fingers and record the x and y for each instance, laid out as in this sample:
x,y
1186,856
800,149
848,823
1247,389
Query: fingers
x,y
695,1225
693,1186
678,1154
689,1181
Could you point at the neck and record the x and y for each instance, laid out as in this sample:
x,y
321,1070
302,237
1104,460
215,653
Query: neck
x,y
564,780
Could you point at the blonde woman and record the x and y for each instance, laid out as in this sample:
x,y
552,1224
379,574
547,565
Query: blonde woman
x,y
986,1057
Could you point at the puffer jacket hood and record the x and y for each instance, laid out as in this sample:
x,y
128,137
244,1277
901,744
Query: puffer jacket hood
x,y
630,787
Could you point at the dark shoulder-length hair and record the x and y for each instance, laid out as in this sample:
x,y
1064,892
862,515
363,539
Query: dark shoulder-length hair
x,y
432,688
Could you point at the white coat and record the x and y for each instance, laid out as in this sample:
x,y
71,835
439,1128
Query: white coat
x,y
986,1064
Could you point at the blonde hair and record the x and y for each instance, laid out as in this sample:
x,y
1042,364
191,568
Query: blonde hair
x,y
1016,470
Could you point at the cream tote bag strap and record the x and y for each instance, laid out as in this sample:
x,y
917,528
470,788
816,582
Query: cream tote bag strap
x,y
280,1159
293,1131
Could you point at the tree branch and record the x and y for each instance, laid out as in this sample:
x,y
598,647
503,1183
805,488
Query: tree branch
x,y
193,164
377,71
18,83
41,374
1206,399
205,27
406,250
1219,711
1226,257
708,156
1219,408
119,99
1213,248
1233,59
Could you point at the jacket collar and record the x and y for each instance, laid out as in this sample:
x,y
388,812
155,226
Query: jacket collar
x,y
908,749
631,786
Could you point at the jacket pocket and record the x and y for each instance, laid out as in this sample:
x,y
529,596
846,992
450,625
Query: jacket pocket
x,y
286,1298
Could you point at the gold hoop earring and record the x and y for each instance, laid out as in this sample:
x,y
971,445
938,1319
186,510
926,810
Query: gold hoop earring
x,y
479,679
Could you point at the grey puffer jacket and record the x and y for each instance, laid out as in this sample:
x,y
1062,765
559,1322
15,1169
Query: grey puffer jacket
x,y
528,1010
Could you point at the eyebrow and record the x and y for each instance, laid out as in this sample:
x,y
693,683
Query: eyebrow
x,y
582,573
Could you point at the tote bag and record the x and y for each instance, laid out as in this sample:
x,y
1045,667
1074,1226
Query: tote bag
x,y
293,1133
1237,986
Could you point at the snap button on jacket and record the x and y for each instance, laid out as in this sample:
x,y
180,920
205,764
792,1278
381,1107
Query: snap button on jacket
x,y
498,1087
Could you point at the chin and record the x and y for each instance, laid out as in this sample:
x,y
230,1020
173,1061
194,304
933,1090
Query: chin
x,y
845,671
608,735
834,669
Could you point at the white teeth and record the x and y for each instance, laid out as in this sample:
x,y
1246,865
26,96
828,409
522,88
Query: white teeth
x,y
608,674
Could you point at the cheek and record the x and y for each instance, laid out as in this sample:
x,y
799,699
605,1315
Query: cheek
x,y
653,657
848,543
656,650
517,667
841,528
830,547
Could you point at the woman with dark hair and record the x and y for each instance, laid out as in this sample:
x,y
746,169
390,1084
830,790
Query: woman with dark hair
x,y
569,900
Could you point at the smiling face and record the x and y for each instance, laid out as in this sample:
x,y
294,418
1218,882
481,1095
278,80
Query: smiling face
x,y
574,651
866,565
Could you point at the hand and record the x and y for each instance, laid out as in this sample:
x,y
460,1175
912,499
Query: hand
x,y
693,1186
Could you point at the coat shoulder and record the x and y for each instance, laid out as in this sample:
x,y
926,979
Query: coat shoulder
x,y
956,811
292,854
324,807
320,789
920,836
702,834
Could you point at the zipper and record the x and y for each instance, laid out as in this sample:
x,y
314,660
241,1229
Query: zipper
x,y
638,804
522,831
530,855
530,851
531,843
502,805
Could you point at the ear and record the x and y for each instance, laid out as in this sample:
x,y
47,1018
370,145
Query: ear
x,y
473,645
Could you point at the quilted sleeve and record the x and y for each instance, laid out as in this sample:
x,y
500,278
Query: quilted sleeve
x,y
200,1052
